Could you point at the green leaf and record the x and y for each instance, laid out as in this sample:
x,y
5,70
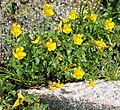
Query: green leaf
x,y
37,60
9,8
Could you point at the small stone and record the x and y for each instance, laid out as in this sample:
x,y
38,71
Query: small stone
x,y
24,1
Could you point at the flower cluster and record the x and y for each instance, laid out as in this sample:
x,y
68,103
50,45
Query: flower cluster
x,y
63,51
83,46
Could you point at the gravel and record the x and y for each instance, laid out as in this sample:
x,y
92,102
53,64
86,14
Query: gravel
x,y
78,96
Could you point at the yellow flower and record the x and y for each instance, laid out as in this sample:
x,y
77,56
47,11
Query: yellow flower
x,y
36,40
109,24
58,84
100,45
77,38
91,83
18,101
47,10
51,45
78,73
19,54
16,31
93,17
55,85
64,20
67,28
20,96
59,28
52,88
73,14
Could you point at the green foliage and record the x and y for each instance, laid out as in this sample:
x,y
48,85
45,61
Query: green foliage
x,y
9,8
114,9
31,102
41,63
98,60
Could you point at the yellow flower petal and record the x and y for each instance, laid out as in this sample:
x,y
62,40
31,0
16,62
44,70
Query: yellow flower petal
x,y
20,96
59,28
100,45
91,83
58,84
64,20
19,49
36,40
73,65
65,69
93,17
17,103
52,88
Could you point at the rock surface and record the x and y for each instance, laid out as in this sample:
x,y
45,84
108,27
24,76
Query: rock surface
x,y
78,96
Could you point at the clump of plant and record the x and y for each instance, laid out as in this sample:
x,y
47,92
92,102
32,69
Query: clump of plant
x,y
83,46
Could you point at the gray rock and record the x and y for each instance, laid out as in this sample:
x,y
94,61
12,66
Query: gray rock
x,y
78,96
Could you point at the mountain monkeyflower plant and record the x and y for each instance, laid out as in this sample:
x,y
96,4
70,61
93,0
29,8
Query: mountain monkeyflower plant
x,y
77,48
74,40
